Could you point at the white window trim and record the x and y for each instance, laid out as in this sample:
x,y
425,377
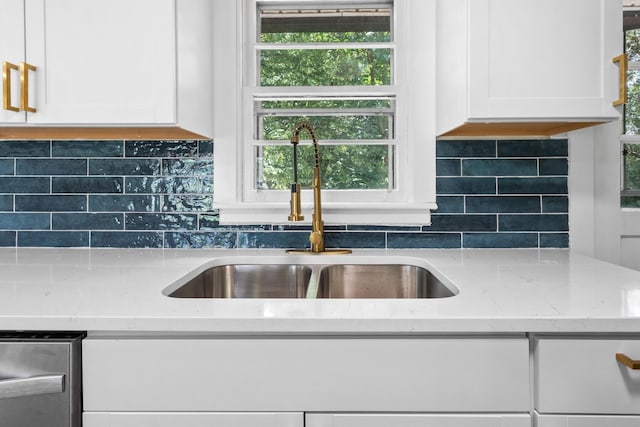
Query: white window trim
x,y
416,125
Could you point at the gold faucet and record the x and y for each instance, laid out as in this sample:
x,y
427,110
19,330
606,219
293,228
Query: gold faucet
x,y
317,225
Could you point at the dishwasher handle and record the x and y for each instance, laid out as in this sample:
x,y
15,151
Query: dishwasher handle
x,y
31,386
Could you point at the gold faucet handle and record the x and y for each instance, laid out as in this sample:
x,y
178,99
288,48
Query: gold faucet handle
x,y
315,238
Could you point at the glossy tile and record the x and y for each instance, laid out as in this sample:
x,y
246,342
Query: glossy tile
x,y
51,167
554,167
162,221
126,239
169,185
83,185
25,148
499,167
161,148
218,239
554,240
525,222
25,221
6,202
538,185
205,148
448,167
466,148
124,203
187,203
355,240
187,167
466,186
533,148
7,166
124,166
450,204
273,239
500,240
8,239
161,195
79,148
375,228
87,221
54,239
555,204
22,185
503,204
423,240
462,223
57,203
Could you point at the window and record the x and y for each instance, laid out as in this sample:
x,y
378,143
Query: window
x,y
345,67
630,195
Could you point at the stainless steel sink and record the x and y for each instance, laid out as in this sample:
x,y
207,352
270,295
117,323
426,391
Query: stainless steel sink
x,y
340,281
248,281
380,281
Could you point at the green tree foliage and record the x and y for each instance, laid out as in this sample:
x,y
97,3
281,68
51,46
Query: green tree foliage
x,y
356,165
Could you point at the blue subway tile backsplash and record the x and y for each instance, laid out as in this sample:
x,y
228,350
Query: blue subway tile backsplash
x,y
159,194
6,203
6,166
25,148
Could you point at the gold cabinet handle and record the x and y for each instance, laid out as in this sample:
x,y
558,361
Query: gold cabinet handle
x,y
24,86
628,362
622,88
6,85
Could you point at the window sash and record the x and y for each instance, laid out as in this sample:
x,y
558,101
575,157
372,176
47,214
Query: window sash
x,y
254,93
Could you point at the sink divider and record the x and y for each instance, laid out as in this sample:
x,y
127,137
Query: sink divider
x,y
314,282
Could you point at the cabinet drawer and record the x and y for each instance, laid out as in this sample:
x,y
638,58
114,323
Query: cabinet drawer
x,y
587,421
583,376
417,420
191,419
300,374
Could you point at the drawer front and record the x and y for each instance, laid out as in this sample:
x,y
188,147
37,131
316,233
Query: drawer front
x,y
583,376
191,419
331,374
417,420
587,421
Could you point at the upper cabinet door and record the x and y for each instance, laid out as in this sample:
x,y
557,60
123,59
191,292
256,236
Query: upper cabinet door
x,y
11,53
523,60
101,61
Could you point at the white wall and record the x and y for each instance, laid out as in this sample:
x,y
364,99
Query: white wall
x,y
598,226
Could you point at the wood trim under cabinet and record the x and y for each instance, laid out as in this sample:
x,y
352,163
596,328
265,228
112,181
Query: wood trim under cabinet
x,y
97,133
515,129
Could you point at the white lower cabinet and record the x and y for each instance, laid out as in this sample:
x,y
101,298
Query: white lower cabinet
x,y
417,420
301,381
181,419
587,421
580,383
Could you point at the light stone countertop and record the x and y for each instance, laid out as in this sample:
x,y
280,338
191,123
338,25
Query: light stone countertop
x,y
500,291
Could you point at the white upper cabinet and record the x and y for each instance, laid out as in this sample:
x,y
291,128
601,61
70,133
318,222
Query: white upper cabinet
x,y
11,54
543,62
99,62
102,61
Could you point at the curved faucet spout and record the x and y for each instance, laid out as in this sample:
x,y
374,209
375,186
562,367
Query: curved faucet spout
x,y
317,225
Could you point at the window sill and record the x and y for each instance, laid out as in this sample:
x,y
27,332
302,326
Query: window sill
x,y
332,213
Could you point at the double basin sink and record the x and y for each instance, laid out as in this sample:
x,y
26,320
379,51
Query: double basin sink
x,y
349,280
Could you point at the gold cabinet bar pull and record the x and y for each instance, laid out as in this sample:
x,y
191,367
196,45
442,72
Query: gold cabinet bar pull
x,y
24,86
622,88
6,85
628,362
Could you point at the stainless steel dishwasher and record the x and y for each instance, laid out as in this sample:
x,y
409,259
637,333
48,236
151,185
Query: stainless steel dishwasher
x,y
40,379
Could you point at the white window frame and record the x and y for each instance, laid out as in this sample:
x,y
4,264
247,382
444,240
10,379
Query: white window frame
x,y
415,88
